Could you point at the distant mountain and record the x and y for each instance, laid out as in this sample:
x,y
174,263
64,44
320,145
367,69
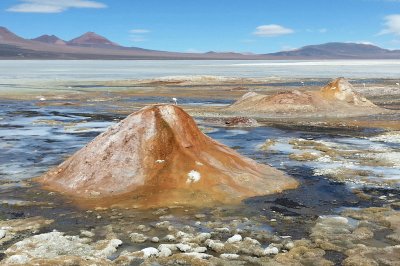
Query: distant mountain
x,y
94,46
337,50
7,36
92,39
51,39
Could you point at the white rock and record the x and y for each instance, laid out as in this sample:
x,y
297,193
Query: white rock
x,y
198,255
203,237
216,246
155,239
164,252
2,233
17,259
271,251
289,245
252,241
149,252
169,246
86,233
138,238
228,256
234,239
143,228
222,230
169,238
181,234
110,249
163,224
193,177
183,247
199,249
54,244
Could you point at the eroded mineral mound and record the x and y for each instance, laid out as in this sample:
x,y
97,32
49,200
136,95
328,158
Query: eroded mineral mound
x,y
159,157
335,99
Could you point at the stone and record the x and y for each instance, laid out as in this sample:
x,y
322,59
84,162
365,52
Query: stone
x,y
271,251
215,245
183,247
149,252
2,233
234,239
169,238
55,245
155,239
202,237
164,252
138,238
228,256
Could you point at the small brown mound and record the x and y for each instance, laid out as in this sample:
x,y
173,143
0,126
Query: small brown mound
x,y
340,90
335,99
158,157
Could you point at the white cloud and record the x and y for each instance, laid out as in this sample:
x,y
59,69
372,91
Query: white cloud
x,y
322,30
138,38
53,6
248,41
392,25
139,31
137,35
272,30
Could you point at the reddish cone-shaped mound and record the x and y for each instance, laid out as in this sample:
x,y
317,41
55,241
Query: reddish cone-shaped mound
x,y
341,91
158,157
335,99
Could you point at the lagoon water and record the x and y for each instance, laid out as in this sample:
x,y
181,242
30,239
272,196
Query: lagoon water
x,y
14,72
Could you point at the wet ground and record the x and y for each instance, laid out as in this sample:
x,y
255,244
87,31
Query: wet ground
x,y
35,137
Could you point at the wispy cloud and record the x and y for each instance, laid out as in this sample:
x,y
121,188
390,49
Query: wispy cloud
x,y
322,30
138,38
139,31
272,30
52,6
392,25
248,41
138,35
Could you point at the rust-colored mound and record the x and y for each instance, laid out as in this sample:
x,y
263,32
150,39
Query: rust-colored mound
x,y
335,99
158,157
340,90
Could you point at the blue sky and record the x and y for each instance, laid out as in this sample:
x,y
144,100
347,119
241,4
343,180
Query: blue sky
x,y
258,26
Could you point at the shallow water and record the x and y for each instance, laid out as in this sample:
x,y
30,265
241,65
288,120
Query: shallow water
x,y
34,138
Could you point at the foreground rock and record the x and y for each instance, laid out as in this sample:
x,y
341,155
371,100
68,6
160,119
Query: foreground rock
x,y
337,99
55,248
158,157
11,229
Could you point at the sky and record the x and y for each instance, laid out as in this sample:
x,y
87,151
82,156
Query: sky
x,y
254,26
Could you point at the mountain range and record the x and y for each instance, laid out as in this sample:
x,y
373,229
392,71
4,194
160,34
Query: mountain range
x,y
94,46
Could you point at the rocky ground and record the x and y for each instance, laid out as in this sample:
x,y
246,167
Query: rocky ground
x,y
354,236
346,216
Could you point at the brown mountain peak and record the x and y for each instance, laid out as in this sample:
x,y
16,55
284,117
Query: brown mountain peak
x,y
92,39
